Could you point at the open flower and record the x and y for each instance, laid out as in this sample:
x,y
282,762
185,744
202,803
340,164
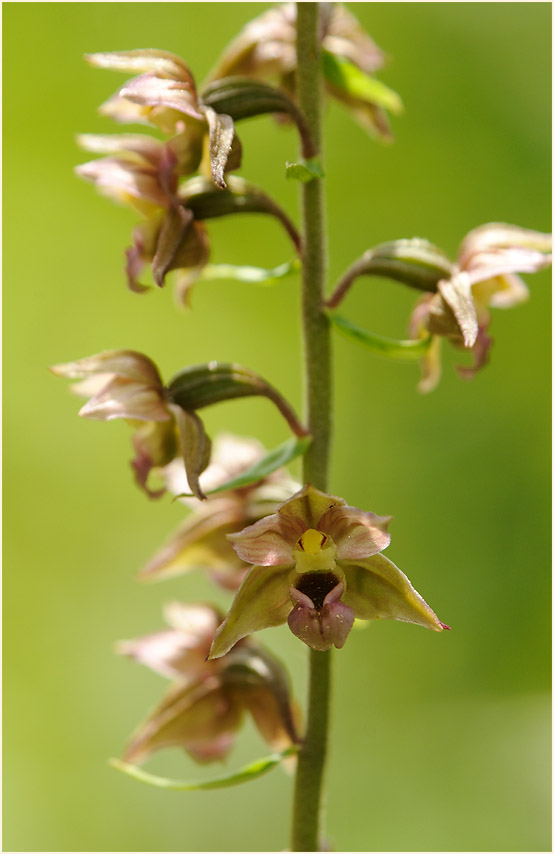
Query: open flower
x,y
266,50
200,542
206,702
318,567
484,276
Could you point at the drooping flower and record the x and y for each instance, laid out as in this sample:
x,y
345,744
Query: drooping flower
x,y
126,384
484,276
318,567
266,50
206,702
164,95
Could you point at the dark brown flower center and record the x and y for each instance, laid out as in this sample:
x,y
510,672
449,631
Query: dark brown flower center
x,y
316,585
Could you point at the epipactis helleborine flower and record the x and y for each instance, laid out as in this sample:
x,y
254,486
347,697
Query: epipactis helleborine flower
x,y
201,542
126,384
484,276
206,702
266,49
318,567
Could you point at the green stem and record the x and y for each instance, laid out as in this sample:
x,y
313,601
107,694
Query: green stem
x,y
308,796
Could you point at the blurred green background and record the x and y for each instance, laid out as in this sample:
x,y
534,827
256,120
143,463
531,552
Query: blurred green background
x,y
438,742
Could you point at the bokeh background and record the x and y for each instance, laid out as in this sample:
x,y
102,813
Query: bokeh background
x,y
439,742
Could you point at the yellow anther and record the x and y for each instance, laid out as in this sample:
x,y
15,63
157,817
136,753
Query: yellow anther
x,y
312,541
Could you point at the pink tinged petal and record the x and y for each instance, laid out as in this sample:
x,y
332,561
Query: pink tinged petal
x,y
499,236
269,542
195,623
161,62
355,533
136,146
480,352
262,601
149,90
490,264
123,363
308,506
123,398
168,653
377,590
124,181
193,717
456,292
125,112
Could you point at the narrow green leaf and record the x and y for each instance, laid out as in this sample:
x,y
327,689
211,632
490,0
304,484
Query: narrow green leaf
x,y
304,171
243,775
273,460
252,275
348,77
406,351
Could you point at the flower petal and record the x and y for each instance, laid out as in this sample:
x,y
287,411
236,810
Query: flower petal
x,y
123,398
308,506
262,684
161,62
123,363
149,90
262,601
167,653
192,717
377,590
221,134
456,292
500,236
356,534
269,542
200,542
195,446
501,292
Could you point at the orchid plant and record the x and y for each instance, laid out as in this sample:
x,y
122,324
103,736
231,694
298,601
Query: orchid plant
x,y
290,552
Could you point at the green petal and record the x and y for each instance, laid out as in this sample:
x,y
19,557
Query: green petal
x,y
262,601
406,351
377,590
273,460
243,775
251,275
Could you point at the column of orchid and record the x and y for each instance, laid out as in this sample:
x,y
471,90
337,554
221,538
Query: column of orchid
x,y
291,553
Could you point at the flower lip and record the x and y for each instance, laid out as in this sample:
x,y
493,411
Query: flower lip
x,y
316,586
